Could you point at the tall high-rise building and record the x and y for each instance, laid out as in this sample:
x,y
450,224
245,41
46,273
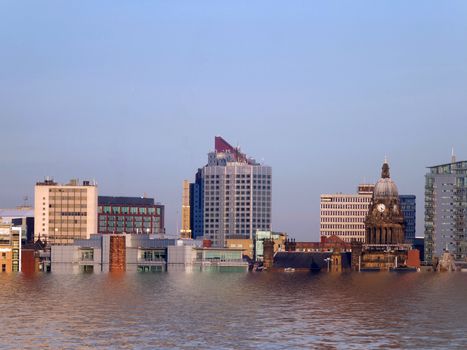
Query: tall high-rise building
x,y
63,213
446,210
408,208
343,215
196,205
235,195
185,232
134,215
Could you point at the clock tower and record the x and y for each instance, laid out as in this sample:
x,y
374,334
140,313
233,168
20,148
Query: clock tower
x,y
384,223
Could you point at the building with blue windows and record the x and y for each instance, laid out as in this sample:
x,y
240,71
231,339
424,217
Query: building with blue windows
x,y
408,206
196,205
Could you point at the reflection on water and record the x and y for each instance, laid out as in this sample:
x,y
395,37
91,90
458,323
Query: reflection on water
x,y
212,310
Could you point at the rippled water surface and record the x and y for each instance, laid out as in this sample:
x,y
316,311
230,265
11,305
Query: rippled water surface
x,y
212,310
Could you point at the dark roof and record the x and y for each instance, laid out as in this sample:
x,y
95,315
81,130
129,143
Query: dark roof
x,y
108,200
307,260
443,165
37,245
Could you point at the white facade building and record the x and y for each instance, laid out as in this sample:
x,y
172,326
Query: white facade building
x,y
237,195
343,215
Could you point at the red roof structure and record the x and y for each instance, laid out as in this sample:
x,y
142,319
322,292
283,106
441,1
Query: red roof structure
x,y
220,145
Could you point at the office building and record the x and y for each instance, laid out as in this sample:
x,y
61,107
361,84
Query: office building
x,y
445,210
22,217
236,195
10,248
408,208
196,206
185,232
133,215
343,215
63,213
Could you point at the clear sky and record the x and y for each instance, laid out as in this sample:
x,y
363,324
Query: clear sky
x,y
132,93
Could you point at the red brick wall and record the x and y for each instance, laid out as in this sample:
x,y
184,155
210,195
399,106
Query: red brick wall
x,y
117,254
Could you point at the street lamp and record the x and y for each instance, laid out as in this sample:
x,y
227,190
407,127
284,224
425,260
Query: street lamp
x,y
328,260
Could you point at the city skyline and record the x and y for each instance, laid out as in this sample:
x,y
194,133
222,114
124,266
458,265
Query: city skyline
x,y
321,98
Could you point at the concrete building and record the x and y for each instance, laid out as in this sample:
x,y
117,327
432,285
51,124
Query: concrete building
x,y
445,210
236,195
63,213
111,253
22,217
343,215
185,231
132,215
408,208
10,248
185,256
140,253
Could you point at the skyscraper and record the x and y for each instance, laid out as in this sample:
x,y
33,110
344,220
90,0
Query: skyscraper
x,y
196,205
446,210
235,194
63,213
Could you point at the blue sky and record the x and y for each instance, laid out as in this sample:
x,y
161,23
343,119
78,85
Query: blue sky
x,y
132,93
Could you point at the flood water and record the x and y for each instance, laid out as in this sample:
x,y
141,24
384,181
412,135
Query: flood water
x,y
236,310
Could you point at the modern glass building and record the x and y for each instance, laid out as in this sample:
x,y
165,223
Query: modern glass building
x,y
132,215
196,205
446,210
408,208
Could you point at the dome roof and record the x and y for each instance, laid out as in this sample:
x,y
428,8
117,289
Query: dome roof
x,y
385,188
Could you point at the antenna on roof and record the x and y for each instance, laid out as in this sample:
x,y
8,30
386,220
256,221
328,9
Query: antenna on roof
x,y
453,156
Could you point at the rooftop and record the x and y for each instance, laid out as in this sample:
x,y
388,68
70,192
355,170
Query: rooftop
x,y
110,200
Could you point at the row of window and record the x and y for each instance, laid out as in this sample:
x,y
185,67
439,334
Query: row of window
x,y
345,226
343,213
128,210
340,219
344,206
347,199
257,190
103,218
127,224
247,204
67,190
240,176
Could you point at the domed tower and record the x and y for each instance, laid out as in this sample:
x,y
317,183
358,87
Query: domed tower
x,y
385,221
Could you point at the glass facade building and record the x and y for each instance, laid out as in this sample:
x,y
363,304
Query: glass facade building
x,y
196,205
132,215
446,210
408,208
